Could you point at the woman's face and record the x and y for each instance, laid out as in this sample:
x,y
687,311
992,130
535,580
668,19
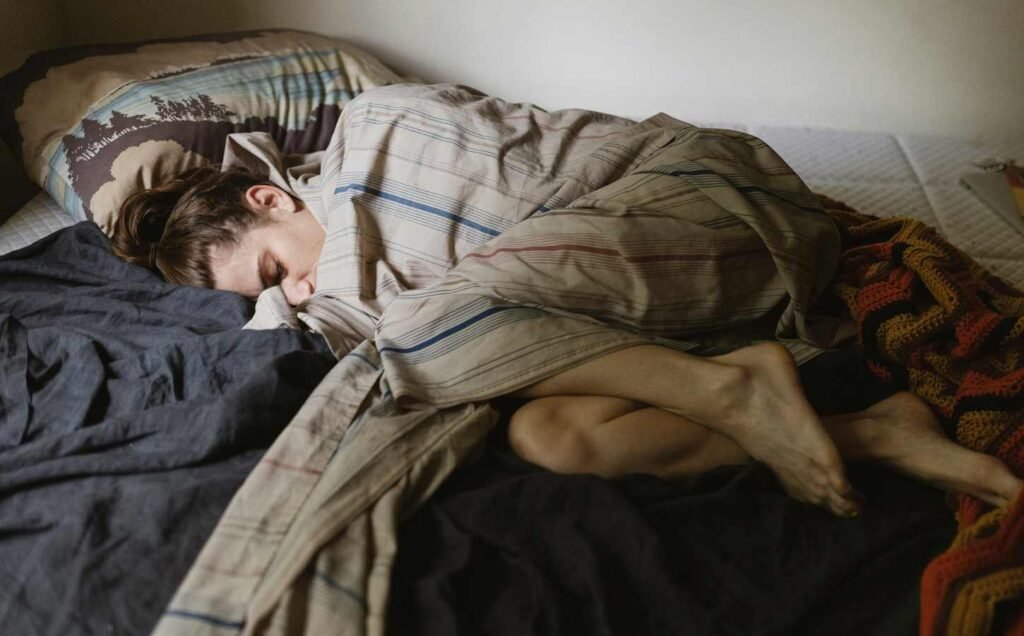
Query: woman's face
x,y
282,251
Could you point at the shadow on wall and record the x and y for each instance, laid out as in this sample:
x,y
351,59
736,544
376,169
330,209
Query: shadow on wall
x,y
14,184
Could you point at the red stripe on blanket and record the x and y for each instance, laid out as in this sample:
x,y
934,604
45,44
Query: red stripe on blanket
x,y
297,469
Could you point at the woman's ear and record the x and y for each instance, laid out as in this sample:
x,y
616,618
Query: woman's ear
x,y
268,198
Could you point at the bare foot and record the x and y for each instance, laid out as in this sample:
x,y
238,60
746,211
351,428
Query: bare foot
x,y
773,421
902,432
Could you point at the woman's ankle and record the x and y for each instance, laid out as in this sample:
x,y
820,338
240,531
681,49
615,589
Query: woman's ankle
x,y
717,390
858,436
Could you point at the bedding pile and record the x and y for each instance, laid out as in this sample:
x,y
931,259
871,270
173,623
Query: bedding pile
x,y
458,222
474,247
506,548
130,413
932,320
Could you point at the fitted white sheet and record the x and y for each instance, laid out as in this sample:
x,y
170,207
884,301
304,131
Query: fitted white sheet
x,y
39,217
908,175
876,173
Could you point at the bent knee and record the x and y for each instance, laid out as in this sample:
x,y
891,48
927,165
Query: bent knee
x,y
545,432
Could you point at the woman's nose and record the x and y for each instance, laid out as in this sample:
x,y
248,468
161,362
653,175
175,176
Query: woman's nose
x,y
297,291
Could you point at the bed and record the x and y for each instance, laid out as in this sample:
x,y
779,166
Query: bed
x,y
269,521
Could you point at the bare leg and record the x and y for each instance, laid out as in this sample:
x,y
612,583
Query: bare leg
x,y
902,432
613,437
752,395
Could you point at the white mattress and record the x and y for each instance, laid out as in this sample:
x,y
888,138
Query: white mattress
x,y
37,218
907,175
878,174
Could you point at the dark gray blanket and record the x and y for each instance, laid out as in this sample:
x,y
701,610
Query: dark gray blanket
x,y
506,548
130,412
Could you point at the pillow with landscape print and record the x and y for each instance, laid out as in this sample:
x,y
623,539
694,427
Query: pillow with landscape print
x,y
93,124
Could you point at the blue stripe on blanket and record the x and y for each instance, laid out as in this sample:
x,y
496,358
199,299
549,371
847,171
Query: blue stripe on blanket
x,y
419,206
360,356
481,329
341,588
454,316
430,221
205,618
432,198
447,332
720,180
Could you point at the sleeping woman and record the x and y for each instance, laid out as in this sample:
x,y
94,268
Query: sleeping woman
x,y
629,400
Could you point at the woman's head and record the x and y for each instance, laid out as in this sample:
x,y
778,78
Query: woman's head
x,y
222,230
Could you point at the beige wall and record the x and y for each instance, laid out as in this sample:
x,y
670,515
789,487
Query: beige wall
x,y
933,66
25,26
29,25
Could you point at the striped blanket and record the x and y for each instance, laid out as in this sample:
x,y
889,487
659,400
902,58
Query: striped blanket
x,y
475,247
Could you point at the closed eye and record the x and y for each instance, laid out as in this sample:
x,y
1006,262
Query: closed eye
x,y
271,271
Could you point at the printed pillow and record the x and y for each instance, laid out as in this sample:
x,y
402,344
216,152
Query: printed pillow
x,y
92,124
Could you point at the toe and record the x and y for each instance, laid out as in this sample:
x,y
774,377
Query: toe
x,y
844,506
840,509
839,484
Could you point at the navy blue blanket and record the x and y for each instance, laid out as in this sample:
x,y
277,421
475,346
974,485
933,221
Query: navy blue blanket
x,y
130,412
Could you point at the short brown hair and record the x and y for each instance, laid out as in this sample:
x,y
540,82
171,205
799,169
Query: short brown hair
x,y
172,228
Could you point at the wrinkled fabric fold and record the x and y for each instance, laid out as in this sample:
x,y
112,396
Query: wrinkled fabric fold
x,y
933,321
485,245
475,246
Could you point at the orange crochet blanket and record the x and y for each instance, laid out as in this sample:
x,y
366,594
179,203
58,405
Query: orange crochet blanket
x,y
933,321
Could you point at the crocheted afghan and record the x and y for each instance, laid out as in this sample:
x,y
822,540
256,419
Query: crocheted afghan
x,y
933,321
